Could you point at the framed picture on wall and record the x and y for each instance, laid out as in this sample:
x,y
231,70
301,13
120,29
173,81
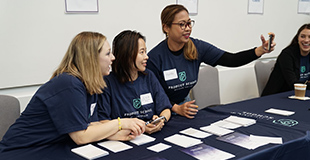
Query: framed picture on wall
x,y
81,6
190,5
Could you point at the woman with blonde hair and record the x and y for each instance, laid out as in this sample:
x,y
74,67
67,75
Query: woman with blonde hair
x,y
64,110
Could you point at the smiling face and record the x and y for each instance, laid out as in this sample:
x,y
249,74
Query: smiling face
x,y
105,58
177,37
142,57
304,42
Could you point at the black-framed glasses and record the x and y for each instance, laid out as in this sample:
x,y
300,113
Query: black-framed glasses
x,y
183,25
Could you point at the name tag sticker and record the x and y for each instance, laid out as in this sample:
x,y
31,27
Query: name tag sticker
x,y
146,99
170,74
92,108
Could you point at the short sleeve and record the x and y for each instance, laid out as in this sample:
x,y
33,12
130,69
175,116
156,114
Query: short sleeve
x,y
68,109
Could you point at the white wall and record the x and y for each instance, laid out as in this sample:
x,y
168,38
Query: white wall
x,y
35,35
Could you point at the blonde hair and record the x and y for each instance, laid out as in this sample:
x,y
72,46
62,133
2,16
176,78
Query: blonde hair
x,y
167,17
82,61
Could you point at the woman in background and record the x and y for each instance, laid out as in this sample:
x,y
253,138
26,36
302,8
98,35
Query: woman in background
x,y
64,110
176,60
132,90
292,65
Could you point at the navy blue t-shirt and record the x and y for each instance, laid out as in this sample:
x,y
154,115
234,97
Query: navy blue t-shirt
x,y
59,107
304,68
176,74
141,98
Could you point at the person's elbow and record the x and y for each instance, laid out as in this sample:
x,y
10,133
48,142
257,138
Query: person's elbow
x,y
79,137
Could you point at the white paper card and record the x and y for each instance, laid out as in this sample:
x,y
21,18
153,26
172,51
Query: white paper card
x,y
216,130
158,147
280,112
195,133
183,141
256,6
240,120
89,151
142,139
170,74
146,99
274,140
226,124
115,146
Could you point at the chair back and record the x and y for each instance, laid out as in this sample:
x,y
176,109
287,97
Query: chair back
x,y
9,112
206,91
262,71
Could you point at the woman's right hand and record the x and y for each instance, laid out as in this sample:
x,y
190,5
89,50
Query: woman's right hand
x,y
122,135
136,125
188,109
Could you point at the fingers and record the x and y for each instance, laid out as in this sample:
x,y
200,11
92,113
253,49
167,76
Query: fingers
x,y
189,109
154,128
134,124
191,102
263,39
130,137
154,117
273,35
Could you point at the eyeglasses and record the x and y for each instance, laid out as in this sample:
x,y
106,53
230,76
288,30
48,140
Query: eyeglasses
x,y
183,25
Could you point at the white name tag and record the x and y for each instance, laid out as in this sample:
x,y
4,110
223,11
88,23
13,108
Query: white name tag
x,y
146,99
170,74
92,108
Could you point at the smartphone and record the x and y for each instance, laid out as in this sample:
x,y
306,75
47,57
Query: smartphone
x,y
155,121
270,42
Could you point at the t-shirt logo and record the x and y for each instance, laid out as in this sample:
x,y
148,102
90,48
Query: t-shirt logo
x,y
302,69
182,76
136,103
286,122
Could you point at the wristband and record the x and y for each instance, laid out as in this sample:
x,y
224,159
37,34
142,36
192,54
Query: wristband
x,y
119,124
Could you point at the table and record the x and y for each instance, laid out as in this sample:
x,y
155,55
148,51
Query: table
x,y
293,129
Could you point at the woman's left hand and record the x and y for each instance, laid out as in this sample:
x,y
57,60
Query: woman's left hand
x,y
264,47
122,135
151,128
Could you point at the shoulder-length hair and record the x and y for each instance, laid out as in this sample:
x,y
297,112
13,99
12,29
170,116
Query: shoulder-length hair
x,y
82,61
167,18
295,39
125,49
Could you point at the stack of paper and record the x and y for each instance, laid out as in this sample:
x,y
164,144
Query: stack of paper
x,y
205,152
240,120
226,124
242,140
274,140
280,112
183,141
216,130
195,133
115,146
142,139
90,152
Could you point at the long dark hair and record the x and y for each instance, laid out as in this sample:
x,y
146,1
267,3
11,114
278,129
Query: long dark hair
x,y
167,17
295,39
125,49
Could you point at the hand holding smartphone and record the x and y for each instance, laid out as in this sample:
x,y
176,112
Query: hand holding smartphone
x,y
155,121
